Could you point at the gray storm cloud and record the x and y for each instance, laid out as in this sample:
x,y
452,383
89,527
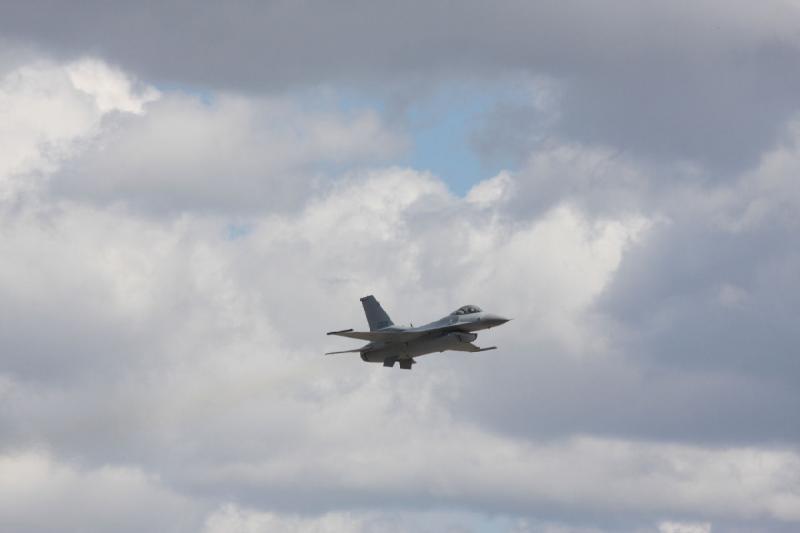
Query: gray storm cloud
x,y
712,81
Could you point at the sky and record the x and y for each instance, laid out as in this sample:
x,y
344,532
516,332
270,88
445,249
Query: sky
x,y
193,193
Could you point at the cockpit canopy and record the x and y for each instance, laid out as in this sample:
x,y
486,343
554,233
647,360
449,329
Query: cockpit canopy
x,y
467,310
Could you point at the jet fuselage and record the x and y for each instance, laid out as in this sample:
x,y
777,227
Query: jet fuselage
x,y
389,343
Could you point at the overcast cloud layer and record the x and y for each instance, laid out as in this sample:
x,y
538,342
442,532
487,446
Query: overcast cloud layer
x,y
191,195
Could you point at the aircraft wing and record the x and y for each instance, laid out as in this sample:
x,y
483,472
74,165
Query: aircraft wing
x,y
395,335
385,336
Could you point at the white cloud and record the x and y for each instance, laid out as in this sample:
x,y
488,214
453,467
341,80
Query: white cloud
x,y
163,345
235,347
684,527
111,88
38,493
490,191
48,109
234,154
231,519
237,519
552,271
117,141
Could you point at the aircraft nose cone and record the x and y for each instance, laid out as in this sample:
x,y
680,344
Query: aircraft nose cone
x,y
496,320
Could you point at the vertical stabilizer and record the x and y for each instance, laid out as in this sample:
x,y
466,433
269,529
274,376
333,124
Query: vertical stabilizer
x,y
376,316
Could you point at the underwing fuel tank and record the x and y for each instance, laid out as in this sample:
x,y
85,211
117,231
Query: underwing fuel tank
x,y
448,341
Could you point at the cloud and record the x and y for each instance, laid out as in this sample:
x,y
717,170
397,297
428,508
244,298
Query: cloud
x,y
38,493
684,527
712,82
88,132
48,109
231,519
173,362
694,329
232,155
228,344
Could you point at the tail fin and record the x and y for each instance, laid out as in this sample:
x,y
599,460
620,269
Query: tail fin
x,y
376,316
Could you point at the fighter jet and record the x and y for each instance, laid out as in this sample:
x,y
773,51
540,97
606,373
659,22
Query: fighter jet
x,y
390,344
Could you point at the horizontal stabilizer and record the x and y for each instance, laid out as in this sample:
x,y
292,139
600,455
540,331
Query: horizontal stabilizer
x,y
340,332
